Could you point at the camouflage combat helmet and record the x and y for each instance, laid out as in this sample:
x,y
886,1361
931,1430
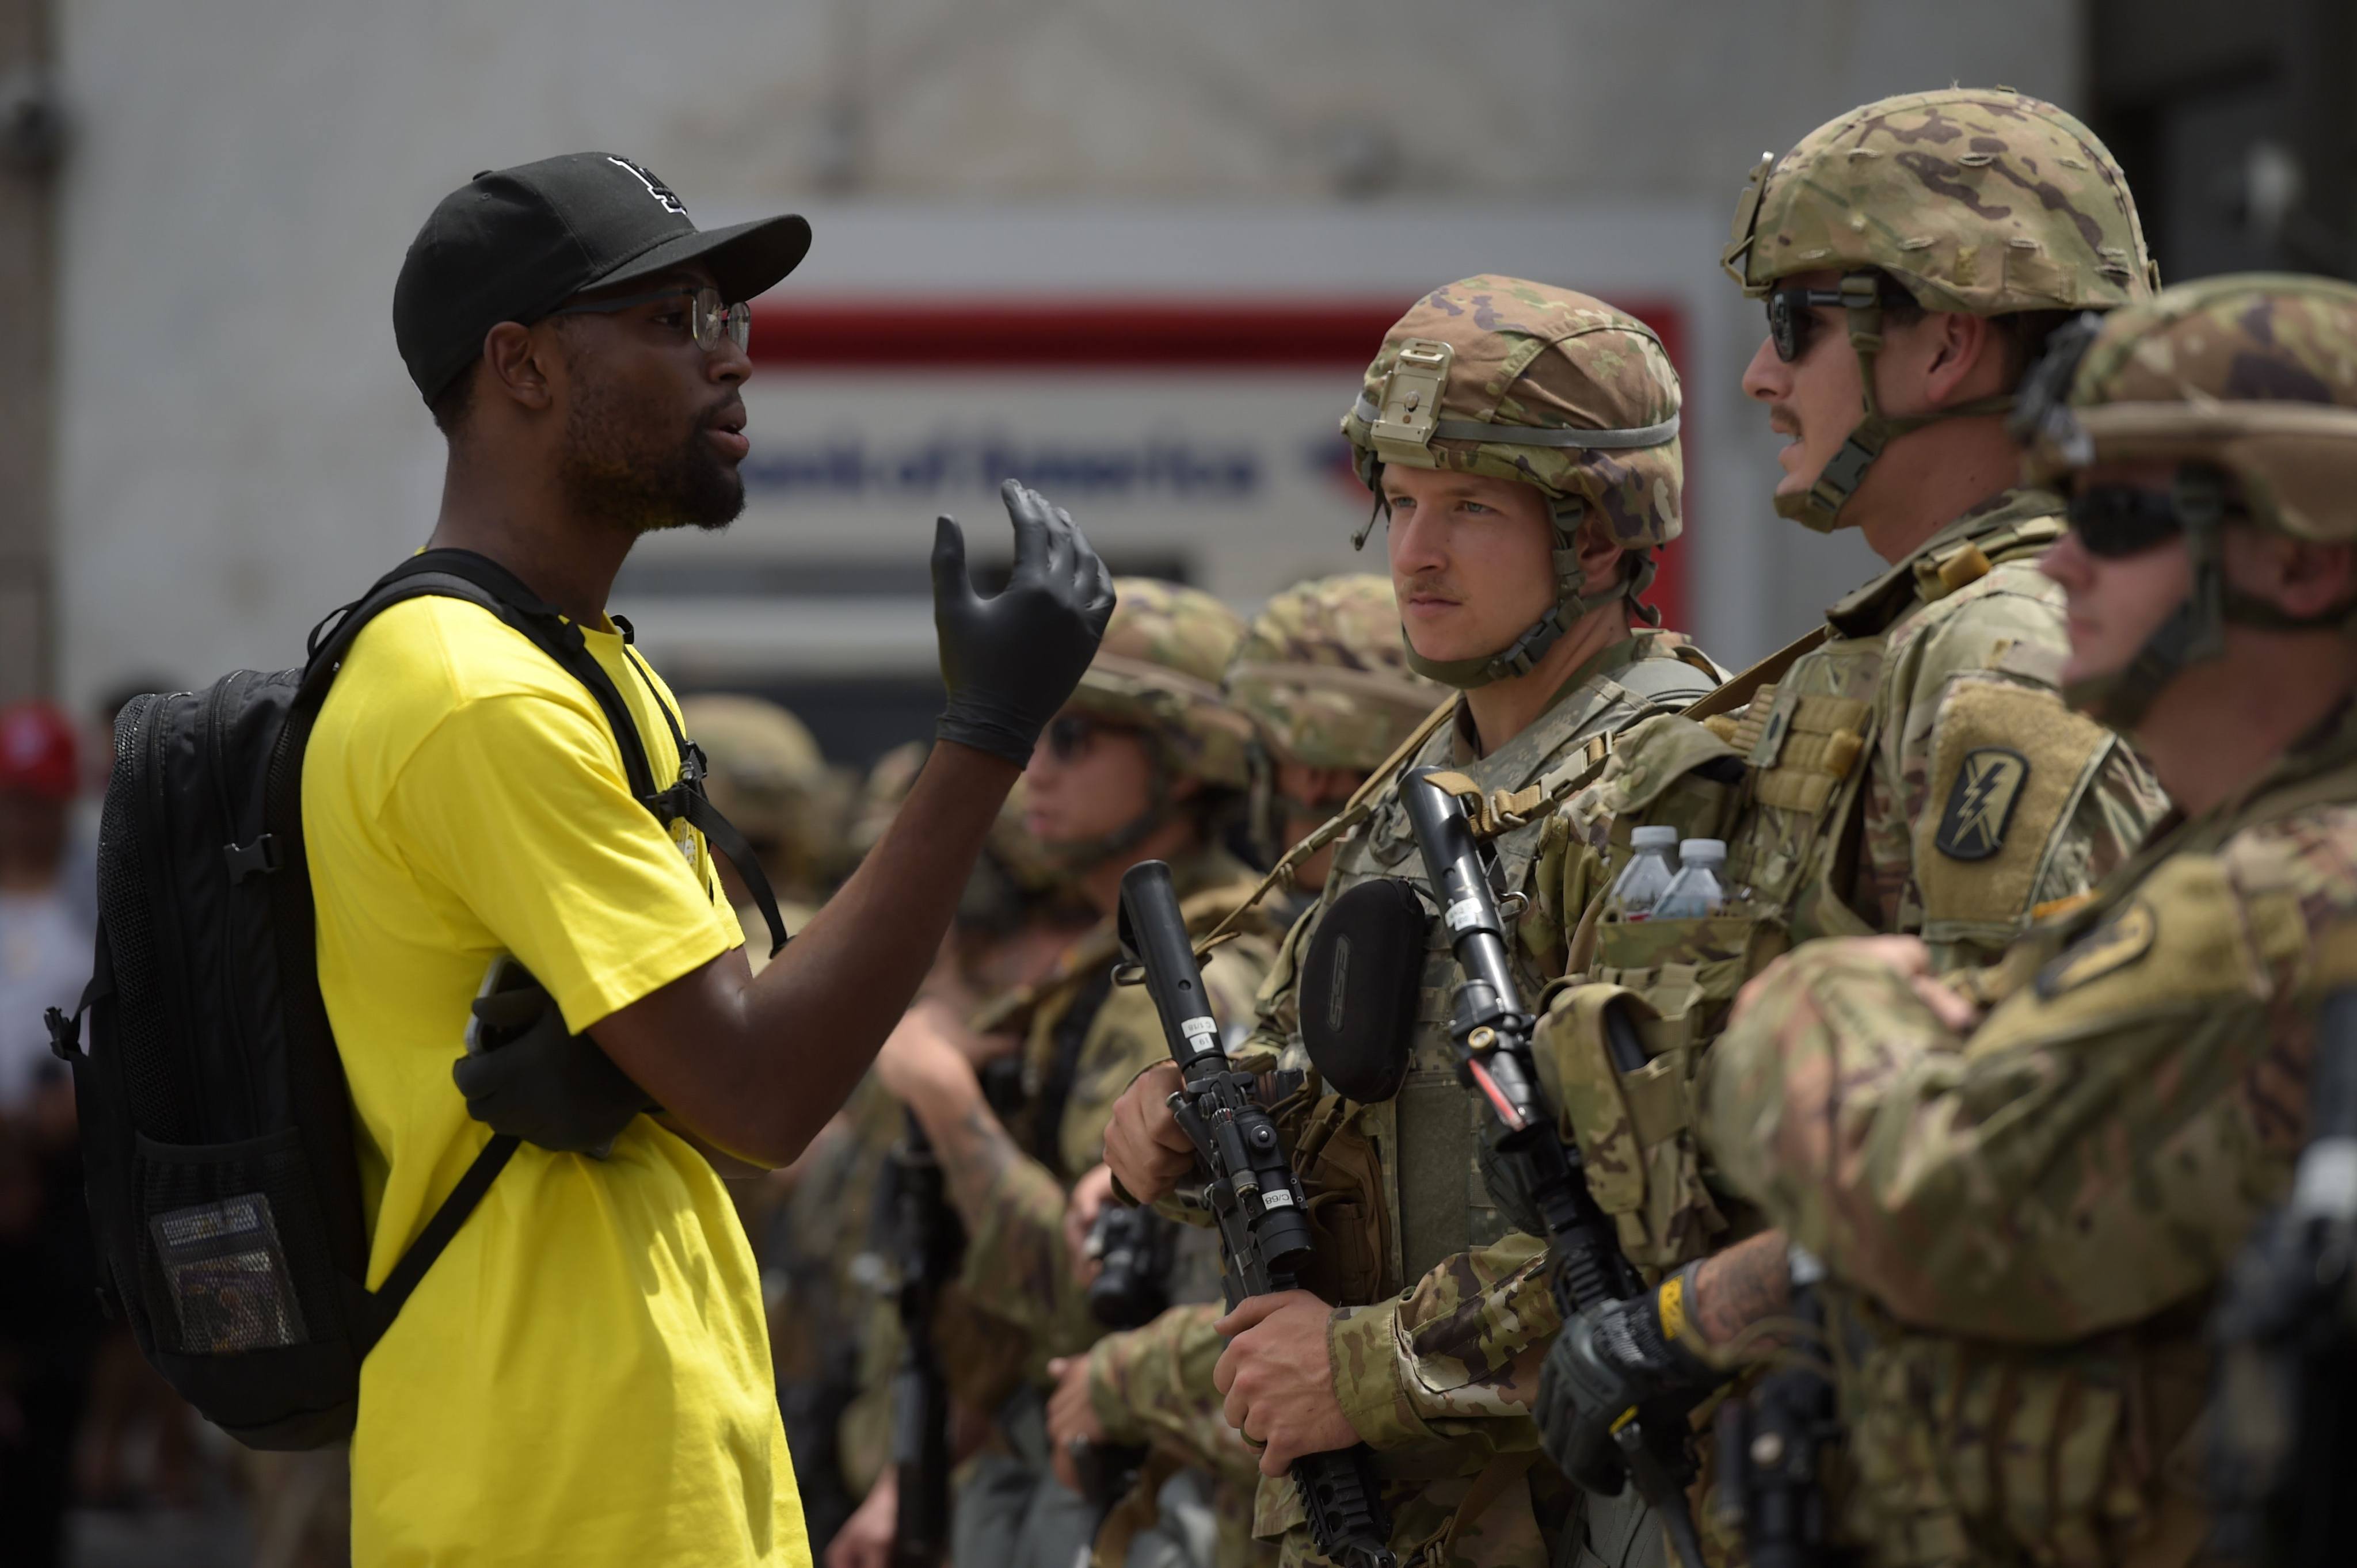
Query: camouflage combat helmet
x,y
1523,381
1157,672
2247,384
1973,201
1321,672
767,776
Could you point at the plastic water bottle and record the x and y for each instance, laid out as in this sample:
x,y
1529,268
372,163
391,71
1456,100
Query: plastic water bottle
x,y
1647,877
1694,891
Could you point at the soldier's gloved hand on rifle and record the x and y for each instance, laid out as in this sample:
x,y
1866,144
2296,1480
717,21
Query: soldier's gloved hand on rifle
x,y
540,1082
1011,660
1609,1359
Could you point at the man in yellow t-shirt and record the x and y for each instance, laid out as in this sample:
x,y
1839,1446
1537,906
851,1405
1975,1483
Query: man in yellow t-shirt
x,y
583,1376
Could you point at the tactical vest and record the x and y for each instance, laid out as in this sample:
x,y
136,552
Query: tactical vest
x,y
1418,1150
1783,781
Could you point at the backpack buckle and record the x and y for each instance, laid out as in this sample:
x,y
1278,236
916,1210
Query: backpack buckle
x,y
245,860
65,1034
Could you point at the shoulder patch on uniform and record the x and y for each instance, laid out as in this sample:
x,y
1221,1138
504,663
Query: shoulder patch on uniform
x,y
2118,941
1981,801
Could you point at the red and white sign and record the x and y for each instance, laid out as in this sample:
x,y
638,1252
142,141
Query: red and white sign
x,y
1188,429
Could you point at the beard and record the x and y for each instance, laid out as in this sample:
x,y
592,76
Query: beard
x,y
629,466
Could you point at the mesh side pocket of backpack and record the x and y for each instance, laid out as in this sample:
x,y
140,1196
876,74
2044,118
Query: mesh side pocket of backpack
x,y
232,1257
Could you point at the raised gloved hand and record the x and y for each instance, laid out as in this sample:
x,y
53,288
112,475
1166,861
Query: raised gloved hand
x,y
537,1079
1010,662
1608,1361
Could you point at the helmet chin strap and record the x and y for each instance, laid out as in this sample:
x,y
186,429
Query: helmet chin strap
x,y
1521,656
1820,506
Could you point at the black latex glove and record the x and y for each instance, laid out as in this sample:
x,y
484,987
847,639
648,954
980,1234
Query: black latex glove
x,y
542,1082
1607,1362
1010,661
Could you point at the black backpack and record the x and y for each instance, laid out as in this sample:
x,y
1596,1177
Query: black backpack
x,y
216,1125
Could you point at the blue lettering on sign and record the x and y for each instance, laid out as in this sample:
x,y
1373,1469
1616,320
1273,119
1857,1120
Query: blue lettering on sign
x,y
851,467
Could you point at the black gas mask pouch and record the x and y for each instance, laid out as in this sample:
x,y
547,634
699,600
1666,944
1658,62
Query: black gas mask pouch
x,y
1361,980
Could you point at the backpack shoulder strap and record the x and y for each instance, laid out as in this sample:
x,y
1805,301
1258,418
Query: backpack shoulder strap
x,y
483,582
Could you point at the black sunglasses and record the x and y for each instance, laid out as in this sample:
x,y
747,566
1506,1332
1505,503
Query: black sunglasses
x,y
2112,522
1070,736
1793,311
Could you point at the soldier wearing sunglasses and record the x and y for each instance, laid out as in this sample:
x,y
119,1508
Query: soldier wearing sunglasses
x,y
1910,766
1146,761
2044,1170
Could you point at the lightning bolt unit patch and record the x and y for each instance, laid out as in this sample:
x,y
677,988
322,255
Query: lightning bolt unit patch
x,y
1980,802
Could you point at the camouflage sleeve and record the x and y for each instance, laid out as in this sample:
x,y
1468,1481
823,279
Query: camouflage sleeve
x,y
1016,1263
1990,798
1154,1385
2099,1146
1453,1363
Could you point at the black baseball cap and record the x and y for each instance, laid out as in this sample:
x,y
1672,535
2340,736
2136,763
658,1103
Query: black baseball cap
x,y
513,244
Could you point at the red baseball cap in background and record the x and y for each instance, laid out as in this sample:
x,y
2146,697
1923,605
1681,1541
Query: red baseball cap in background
x,y
36,750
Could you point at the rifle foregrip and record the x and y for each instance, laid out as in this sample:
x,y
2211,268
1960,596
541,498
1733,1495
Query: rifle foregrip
x,y
1345,1511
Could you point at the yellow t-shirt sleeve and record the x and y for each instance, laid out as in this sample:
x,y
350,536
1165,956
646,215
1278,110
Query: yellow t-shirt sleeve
x,y
517,805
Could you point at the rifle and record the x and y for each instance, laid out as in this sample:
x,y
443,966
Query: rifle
x,y
2285,1405
927,1243
1491,1030
1252,1190
1770,1444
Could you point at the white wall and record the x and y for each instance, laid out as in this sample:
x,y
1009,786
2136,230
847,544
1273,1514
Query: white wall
x,y
239,446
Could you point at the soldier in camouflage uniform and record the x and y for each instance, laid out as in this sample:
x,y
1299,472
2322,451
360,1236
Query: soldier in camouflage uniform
x,y
2025,1183
1146,762
1016,920
1910,767
1322,675
768,777
1522,439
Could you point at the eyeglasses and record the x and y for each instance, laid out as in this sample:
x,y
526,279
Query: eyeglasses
x,y
1069,736
1792,311
707,318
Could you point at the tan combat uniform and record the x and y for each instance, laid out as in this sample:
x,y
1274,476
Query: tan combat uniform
x,y
1916,772
1442,1310
2025,1223
2023,1226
